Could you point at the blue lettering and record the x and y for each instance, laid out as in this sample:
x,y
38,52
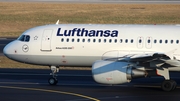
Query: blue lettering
x,y
92,33
58,32
78,32
99,31
107,33
114,33
84,31
73,31
87,33
67,33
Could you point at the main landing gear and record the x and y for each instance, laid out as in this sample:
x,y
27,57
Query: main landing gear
x,y
167,84
53,80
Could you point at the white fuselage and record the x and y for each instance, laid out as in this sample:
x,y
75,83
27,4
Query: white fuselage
x,y
83,44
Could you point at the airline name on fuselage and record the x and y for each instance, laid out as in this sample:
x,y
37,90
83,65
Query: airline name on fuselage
x,y
88,33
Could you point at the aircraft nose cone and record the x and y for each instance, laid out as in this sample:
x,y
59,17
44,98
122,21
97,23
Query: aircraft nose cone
x,y
7,50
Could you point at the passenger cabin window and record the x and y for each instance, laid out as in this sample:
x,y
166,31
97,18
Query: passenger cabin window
x,y
24,38
104,40
62,40
110,40
99,40
78,40
89,40
126,40
177,41
67,40
115,40
121,40
166,41
83,40
131,40
72,40
155,41
171,41
94,40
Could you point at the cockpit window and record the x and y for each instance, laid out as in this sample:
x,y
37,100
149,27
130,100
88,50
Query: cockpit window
x,y
27,38
24,38
21,38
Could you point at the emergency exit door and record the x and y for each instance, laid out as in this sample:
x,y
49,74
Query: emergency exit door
x,y
140,41
46,40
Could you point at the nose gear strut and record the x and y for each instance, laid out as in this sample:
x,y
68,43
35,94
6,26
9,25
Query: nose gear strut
x,y
53,80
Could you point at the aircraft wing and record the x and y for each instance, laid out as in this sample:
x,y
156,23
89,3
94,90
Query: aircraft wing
x,y
156,59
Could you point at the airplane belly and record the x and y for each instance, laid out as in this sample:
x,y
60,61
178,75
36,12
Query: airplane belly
x,y
60,60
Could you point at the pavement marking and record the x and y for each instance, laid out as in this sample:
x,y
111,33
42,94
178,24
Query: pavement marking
x,y
51,91
62,84
91,84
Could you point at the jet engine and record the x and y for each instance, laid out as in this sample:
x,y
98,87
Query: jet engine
x,y
116,72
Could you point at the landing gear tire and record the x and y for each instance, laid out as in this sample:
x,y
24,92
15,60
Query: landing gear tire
x,y
168,85
52,81
174,85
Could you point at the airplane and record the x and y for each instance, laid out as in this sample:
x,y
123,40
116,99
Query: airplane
x,y
117,53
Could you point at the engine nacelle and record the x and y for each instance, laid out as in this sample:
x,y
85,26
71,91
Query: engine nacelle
x,y
115,72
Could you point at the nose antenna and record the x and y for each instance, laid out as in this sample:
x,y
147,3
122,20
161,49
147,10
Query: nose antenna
x,y
57,22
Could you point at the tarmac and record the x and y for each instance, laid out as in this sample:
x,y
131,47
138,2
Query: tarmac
x,y
78,85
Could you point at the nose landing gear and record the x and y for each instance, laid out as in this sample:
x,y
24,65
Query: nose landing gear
x,y
53,80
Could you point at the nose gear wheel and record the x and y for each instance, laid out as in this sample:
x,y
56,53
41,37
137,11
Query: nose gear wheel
x,y
53,80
